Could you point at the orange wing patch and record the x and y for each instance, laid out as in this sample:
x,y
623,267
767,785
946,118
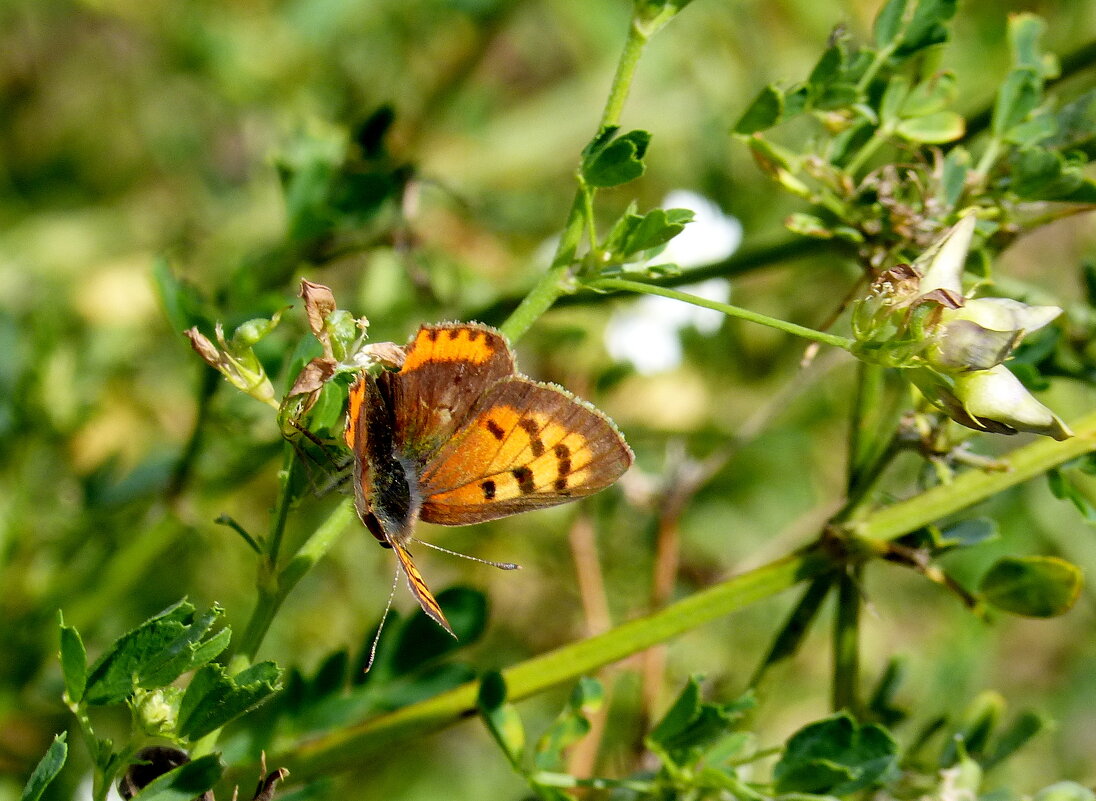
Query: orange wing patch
x,y
354,411
434,344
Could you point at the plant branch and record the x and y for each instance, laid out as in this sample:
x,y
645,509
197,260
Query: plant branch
x,y
745,260
557,280
731,311
342,749
975,486
846,640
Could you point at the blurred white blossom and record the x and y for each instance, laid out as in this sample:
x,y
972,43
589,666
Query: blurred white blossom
x,y
646,332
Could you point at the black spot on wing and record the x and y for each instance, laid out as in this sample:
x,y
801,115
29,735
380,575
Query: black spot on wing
x,y
533,430
488,487
524,478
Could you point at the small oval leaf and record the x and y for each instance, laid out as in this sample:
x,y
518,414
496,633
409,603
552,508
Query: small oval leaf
x,y
1032,586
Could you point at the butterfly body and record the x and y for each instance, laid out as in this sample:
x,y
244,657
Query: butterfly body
x,y
458,436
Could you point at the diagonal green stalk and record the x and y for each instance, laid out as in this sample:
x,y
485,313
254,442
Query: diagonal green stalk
x,y
975,486
342,749
731,311
346,748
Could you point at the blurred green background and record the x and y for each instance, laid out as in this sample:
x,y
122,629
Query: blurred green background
x,y
136,134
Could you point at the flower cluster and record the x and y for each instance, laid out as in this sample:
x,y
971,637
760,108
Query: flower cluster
x,y
954,347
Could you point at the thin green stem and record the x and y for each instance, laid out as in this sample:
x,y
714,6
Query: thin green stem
x,y
731,311
873,68
274,586
846,640
557,280
285,499
877,140
625,74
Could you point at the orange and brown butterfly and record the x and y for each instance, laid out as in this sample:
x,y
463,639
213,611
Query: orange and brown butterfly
x,y
458,436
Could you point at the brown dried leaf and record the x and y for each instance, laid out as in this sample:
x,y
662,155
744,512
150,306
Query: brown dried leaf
x,y
313,376
319,301
387,353
203,347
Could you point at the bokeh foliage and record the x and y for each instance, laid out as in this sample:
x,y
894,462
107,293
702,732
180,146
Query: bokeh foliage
x,y
415,156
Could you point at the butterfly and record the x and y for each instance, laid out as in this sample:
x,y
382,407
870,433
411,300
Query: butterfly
x,y
459,436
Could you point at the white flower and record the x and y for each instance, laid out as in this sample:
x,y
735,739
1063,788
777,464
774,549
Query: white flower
x,y
954,346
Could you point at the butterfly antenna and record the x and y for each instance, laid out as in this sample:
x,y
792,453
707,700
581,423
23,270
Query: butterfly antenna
x,y
384,617
499,565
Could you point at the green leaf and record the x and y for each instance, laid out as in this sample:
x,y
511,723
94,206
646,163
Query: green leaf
x,y
888,23
1025,33
829,67
1065,791
617,162
932,129
967,533
421,640
929,96
192,649
954,175
882,704
1027,726
1018,96
807,225
1061,487
570,725
1032,131
46,770
690,726
894,97
213,698
927,27
116,674
1077,124
74,662
1033,586
973,732
836,756
766,110
502,719
655,228
186,782
182,303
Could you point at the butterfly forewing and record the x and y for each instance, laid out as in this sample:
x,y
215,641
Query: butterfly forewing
x,y
526,446
446,371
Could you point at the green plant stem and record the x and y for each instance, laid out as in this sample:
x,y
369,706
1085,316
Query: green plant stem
x,y
342,749
557,280
625,74
745,260
285,499
975,486
275,586
846,640
731,311
346,748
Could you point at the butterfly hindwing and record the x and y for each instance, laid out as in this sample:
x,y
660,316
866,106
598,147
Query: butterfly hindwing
x,y
525,446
